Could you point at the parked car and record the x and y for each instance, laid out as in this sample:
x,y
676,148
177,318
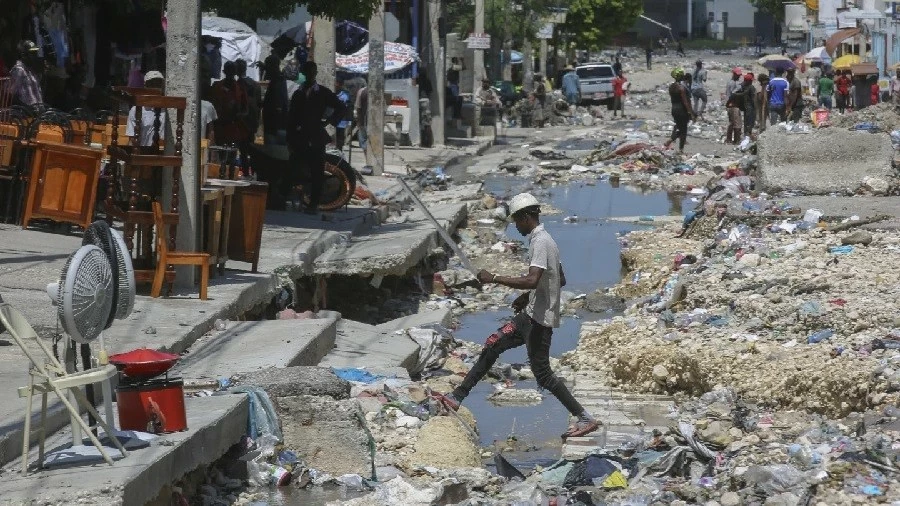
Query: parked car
x,y
596,82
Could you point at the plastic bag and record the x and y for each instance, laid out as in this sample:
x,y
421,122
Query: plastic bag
x,y
262,424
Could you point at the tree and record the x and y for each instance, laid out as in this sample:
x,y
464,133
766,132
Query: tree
x,y
592,23
773,7
251,10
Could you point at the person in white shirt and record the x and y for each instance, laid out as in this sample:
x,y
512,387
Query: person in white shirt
x,y
153,79
537,314
207,116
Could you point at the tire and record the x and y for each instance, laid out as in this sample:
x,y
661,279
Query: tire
x,y
340,183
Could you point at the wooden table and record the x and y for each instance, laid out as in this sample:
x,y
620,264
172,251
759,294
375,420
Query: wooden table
x,y
246,215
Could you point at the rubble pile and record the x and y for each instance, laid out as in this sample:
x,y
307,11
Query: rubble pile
x,y
883,116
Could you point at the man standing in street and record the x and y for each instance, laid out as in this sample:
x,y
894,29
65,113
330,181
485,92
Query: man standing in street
x,y
619,86
617,66
794,102
537,314
777,90
698,89
649,51
895,89
572,86
842,83
24,84
306,133
735,122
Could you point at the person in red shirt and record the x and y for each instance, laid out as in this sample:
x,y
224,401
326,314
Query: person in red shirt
x,y
619,86
842,83
875,92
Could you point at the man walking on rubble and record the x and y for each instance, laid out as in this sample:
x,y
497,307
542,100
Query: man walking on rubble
x,y
537,314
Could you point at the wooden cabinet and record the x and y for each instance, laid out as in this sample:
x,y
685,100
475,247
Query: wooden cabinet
x,y
248,210
63,183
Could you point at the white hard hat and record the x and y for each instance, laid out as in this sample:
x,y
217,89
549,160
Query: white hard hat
x,y
521,201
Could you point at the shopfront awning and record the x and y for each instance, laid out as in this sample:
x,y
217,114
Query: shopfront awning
x,y
839,36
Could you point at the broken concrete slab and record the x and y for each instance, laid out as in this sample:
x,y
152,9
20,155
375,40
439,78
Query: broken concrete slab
x,y
442,317
456,193
839,208
824,161
214,425
255,345
361,345
329,435
388,250
299,380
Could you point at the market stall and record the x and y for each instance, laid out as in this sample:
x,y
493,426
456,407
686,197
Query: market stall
x,y
238,41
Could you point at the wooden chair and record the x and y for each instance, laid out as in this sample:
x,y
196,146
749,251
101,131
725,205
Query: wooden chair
x,y
166,257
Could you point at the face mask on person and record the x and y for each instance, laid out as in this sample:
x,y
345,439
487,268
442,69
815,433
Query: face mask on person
x,y
301,79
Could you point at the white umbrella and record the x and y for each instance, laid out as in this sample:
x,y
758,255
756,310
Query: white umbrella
x,y
818,53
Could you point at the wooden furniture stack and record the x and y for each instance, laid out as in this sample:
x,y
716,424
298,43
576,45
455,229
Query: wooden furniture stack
x,y
126,200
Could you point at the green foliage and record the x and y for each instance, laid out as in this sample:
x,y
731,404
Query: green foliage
x,y
773,7
592,23
504,20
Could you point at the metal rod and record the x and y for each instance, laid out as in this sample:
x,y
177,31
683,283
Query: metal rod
x,y
441,231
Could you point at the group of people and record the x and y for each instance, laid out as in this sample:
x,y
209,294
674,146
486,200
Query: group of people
x,y
751,101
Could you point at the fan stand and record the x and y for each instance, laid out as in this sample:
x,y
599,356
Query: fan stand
x,y
105,388
50,375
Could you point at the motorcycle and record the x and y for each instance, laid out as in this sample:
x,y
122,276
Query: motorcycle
x,y
272,164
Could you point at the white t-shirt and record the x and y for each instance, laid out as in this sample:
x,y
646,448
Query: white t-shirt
x,y
543,303
207,116
148,117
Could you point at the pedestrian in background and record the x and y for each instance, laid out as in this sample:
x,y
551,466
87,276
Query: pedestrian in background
x,y
254,99
698,88
895,89
749,93
777,91
762,102
794,102
571,86
620,84
825,90
734,113
843,84
649,51
681,109
275,104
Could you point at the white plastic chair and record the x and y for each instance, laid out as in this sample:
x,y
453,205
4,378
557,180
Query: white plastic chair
x,y
49,375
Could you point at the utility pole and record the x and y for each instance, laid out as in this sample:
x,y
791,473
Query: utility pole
x,y
323,50
183,80
542,64
436,71
375,114
690,18
478,70
527,64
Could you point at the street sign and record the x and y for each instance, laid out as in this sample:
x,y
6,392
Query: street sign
x,y
546,31
478,41
895,10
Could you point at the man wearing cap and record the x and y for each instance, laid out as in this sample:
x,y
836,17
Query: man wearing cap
x,y
147,130
572,86
733,134
537,314
24,84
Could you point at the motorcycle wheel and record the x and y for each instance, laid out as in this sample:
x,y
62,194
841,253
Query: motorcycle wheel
x,y
340,183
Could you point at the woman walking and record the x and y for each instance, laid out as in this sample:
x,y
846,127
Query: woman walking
x,y
682,112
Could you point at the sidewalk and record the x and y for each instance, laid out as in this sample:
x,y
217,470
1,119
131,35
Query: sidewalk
x,y
291,244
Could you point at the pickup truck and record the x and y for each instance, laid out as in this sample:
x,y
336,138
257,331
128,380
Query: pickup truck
x,y
596,82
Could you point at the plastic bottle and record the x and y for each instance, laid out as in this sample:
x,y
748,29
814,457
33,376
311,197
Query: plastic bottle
x,y
820,336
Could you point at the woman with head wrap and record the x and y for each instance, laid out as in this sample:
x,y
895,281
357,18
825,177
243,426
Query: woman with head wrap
x,y
682,112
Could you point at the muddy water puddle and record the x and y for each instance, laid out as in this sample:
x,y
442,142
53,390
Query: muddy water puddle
x,y
589,248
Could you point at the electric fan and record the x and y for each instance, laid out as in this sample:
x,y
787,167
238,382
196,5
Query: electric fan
x,y
113,245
